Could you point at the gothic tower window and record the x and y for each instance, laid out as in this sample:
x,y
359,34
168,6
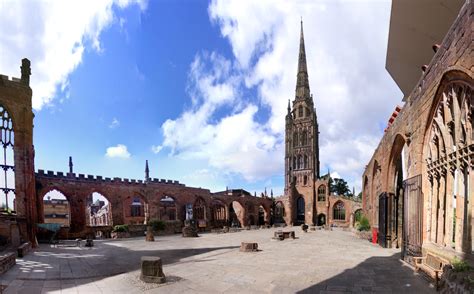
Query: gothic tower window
x,y
304,138
305,162
307,112
294,162
300,111
295,139
339,211
322,193
300,162
7,179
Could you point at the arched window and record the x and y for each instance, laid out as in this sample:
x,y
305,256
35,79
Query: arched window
x,y
300,210
305,161
300,162
304,138
300,111
167,208
295,139
294,162
322,193
305,180
339,211
7,182
136,207
308,113
199,209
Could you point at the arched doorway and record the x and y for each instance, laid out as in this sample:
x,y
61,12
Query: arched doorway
x,y
300,211
56,209
236,211
357,217
279,213
218,217
98,211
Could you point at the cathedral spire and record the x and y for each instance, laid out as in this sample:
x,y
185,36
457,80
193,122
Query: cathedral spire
x,y
147,172
302,83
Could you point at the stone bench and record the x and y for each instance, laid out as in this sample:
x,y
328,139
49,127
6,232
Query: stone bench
x,y
7,261
152,270
248,247
432,265
23,249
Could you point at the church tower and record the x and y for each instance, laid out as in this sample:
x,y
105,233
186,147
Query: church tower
x,y
301,142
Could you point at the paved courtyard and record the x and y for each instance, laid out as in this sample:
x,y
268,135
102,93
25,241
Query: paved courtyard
x,y
315,262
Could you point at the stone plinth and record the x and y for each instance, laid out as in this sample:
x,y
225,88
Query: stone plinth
x,y
248,247
152,270
23,249
190,231
149,235
7,261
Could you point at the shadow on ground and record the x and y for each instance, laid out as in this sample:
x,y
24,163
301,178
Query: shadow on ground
x,y
375,274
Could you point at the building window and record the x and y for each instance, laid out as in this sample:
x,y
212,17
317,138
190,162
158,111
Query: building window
x,y
294,162
305,161
322,193
295,139
136,207
307,112
300,162
304,138
7,186
339,211
300,111
305,180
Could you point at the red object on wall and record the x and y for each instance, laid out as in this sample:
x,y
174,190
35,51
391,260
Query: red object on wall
x,y
374,235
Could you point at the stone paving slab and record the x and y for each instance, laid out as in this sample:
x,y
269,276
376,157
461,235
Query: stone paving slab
x,y
315,262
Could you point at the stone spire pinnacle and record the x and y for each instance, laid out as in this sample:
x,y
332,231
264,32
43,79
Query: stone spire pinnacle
x,y
147,172
70,165
302,83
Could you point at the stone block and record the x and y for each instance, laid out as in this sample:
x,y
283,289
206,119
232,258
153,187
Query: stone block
x,y
23,249
7,261
248,247
152,270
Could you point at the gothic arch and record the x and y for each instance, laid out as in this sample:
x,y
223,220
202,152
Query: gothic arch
x,y
446,161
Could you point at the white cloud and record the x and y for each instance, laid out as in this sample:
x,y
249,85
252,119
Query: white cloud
x,y
354,95
53,35
119,151
156,148
115,123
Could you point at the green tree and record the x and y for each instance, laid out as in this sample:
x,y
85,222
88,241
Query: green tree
x,y
340,187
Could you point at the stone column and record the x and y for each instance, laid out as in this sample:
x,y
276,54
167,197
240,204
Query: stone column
x,y
449,221
441,209
434,207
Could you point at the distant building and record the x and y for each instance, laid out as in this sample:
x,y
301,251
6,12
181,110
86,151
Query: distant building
x,y
56,211
98,214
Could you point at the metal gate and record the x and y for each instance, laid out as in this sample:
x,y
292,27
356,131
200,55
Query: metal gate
x,y
412,218
384,234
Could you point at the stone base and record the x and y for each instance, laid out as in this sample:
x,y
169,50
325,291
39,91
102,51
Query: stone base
x,y
190,232
7,261
248,247
23,249
152,270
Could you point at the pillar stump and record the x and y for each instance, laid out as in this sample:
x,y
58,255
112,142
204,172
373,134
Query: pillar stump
x,y
248,247
190,229
149,234
152,270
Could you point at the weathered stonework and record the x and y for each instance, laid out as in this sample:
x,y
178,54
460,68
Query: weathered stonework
x,y
425,160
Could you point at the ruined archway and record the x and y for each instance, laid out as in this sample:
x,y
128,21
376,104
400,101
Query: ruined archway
x,y
168,208
236,214
339,211
321,219
218,213
279,213
135,210
56,208
98,210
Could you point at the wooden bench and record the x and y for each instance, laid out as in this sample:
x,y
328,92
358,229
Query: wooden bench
x,y
431,265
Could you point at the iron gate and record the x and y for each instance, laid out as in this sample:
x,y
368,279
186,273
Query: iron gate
x,y
384,234
412,218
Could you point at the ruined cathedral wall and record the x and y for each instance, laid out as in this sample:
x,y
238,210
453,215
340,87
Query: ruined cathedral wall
x,y
453,60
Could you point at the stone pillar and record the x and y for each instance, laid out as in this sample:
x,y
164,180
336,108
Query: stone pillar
x,y
434,207
441,210
152,270
449,221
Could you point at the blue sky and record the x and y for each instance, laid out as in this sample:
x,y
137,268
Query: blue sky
x,y
199,88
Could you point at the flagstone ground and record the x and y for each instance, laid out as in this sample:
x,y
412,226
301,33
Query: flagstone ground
x,y
315,262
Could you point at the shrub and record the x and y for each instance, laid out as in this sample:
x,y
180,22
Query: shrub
x,y
364,224
157,225
120,228
460,265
